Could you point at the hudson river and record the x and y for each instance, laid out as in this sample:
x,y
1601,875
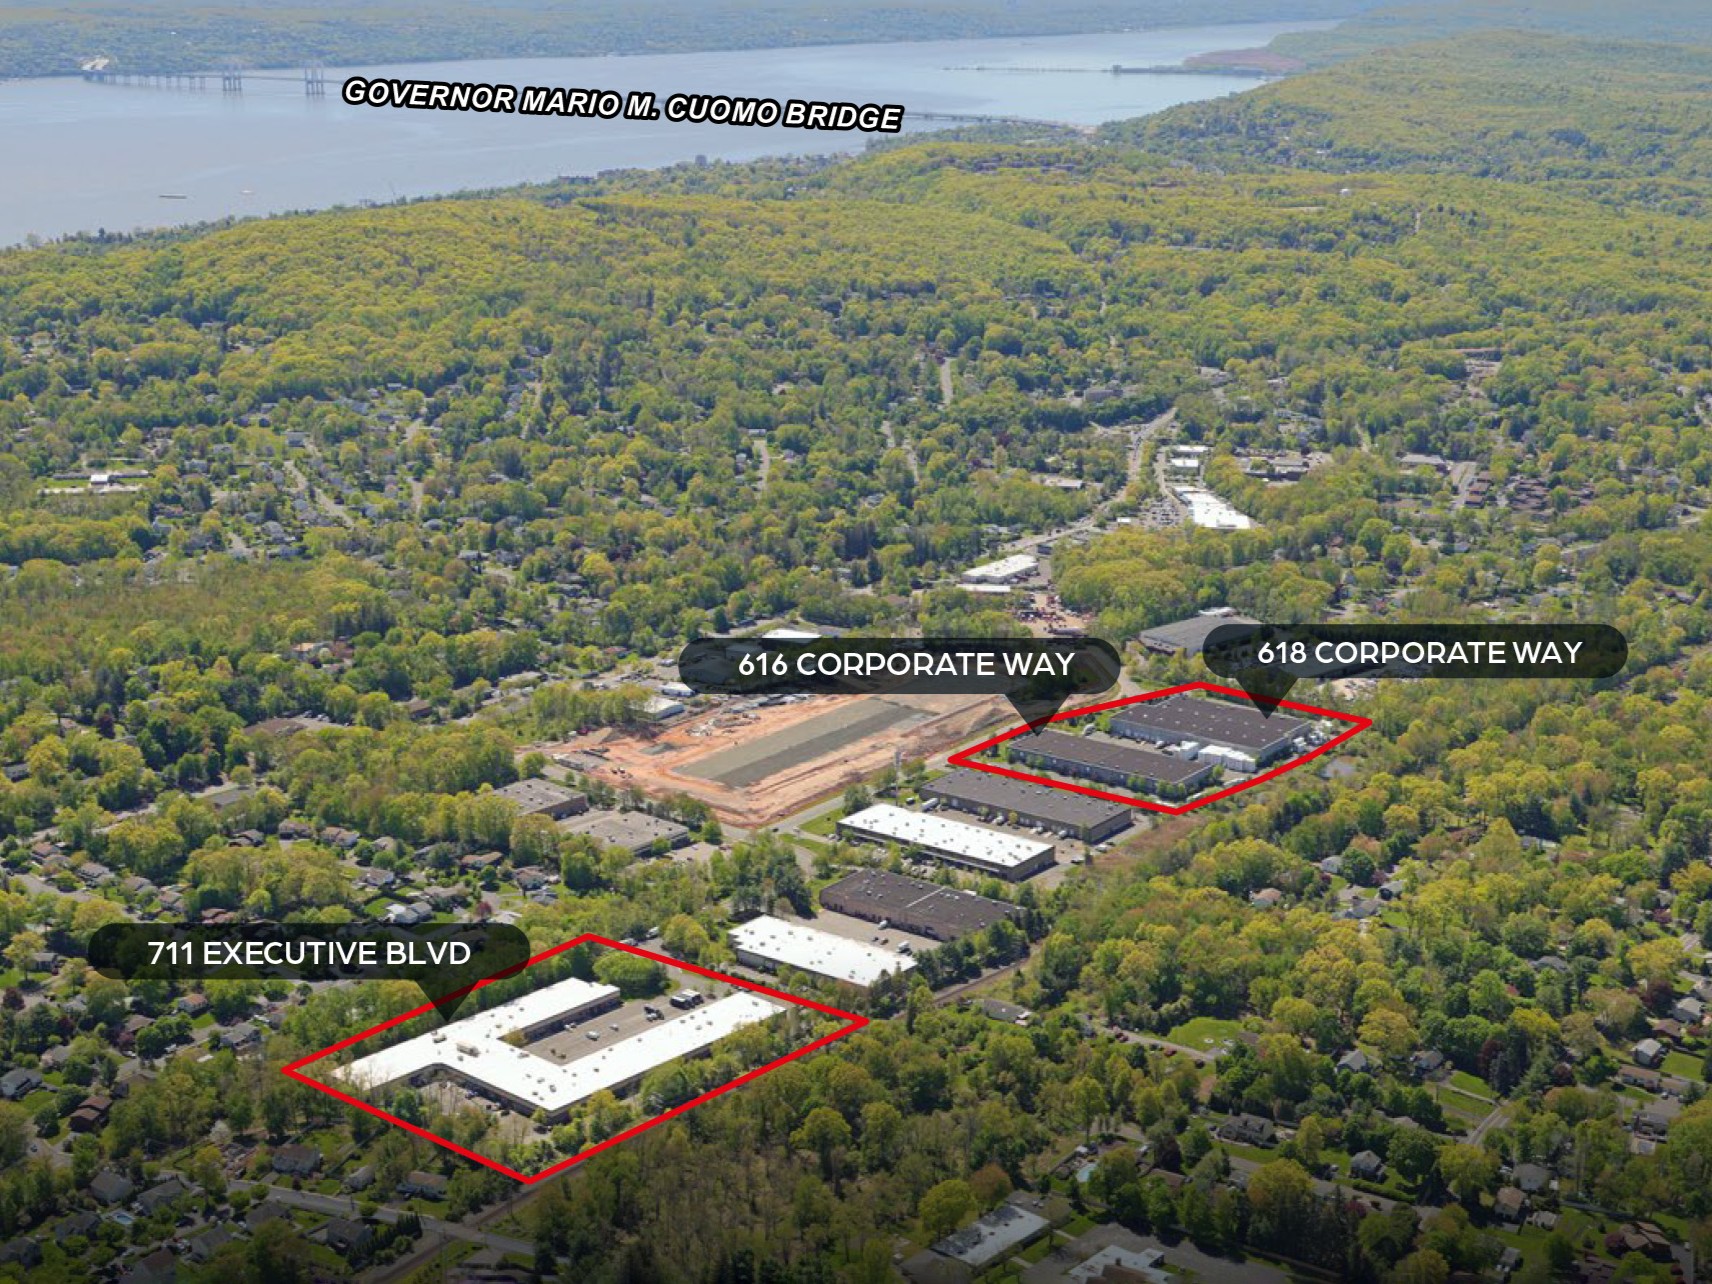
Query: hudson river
x,y
80,156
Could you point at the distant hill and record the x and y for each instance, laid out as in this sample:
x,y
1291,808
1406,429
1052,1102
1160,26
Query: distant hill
x,y
152,36
1617,118
1671,21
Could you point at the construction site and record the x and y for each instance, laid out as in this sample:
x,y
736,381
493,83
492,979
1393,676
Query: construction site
x,y
757,760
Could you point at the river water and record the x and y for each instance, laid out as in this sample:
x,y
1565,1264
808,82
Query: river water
x,y
77,156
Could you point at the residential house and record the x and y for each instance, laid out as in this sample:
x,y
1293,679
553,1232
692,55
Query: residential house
x,y
22,1251
162,1195
90,1115
84,1223
1649,1053
109,1187
1248,1130
17,1084
423,1185
1367,1166
1429,1064
1654,1125
347,1237
1531,1179
1510,1205
296,1160
1689,1011
158,1267
203,1246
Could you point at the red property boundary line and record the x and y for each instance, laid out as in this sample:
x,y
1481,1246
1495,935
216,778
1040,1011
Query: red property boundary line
x,y
966,757
853,1022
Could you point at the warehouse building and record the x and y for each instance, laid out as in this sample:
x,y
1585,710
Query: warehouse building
x,y
475,1050
1017,802
1249,738
1189,637
637,832
1110,762
770,943
543,798
985,851
1007,570
913,904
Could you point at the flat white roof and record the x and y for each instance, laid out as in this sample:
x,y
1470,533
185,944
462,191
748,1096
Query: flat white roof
x,y
953,837
1207,509
474,1048
789,635
1006,568
809,949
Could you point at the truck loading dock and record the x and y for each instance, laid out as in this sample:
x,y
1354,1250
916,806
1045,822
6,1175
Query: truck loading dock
x,y
1110,762
1186,718
1017,802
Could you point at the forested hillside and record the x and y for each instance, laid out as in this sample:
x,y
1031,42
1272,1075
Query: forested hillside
x,y
1672,21
1622,120
48,39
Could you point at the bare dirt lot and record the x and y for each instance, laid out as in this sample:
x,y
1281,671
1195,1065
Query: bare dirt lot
x,y
756,765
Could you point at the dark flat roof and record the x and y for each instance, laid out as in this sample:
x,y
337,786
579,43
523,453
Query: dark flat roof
x,y
1131,760
1240,726
879,893
1188,635
1056,805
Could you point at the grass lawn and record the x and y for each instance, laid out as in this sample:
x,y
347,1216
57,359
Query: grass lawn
x,y
1080,1224
1469,1083
1259,1154
1038,1250
1206,1033
1460,1106
1683,1066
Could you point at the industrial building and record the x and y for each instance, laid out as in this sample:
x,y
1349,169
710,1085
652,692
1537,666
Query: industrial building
x,y
1007,570
770,943
1189,637
475,1050
1017,802
543,798
636,832
1110,762
1249,738
913,904
986,851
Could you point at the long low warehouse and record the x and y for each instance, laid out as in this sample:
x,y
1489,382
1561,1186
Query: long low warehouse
x,y
913,904
474,1050
999,798
771,943
1110,762
985,851
1252,737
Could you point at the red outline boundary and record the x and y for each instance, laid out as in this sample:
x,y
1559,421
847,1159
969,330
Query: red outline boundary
x,y
965,757
855,1022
